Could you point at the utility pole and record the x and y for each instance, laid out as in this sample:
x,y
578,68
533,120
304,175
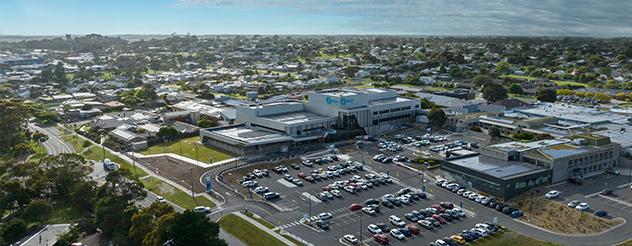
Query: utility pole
x,y
360,211
197,161
103,147
192,191
133,160
310,206
164,145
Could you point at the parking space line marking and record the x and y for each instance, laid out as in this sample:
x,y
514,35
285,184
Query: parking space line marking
x,y
617,201
311,197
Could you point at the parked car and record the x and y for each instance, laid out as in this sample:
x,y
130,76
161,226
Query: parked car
x,y
355,207
350,238
582,206
552,194
396,233
606,192
601,213
271,195
425,224
381,238
374,229
573,203
396,221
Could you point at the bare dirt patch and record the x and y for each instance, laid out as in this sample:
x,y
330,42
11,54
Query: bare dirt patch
x,y
558,217
233,177
177,171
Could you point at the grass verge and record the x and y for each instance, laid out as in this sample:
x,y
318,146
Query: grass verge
x,y
510,238
174,194
96,153
186,147
259,219
246,232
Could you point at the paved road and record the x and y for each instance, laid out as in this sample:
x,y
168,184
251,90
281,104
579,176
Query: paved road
x,y
46,236
55,144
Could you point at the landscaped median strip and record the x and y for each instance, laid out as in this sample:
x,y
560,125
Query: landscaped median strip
x,y
251,232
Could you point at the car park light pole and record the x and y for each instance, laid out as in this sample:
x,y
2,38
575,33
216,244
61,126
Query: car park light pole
x,y
360,211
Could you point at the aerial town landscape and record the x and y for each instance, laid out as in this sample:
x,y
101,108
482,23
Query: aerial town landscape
x,y
314,137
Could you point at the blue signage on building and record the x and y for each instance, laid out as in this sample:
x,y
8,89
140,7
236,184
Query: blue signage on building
x,y
343,101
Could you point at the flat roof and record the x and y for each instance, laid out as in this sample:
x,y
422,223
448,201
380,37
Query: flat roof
x,y
572,113
519,146
298,117
499,170
251,135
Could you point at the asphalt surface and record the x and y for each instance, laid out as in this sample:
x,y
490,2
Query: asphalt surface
x,y
348,222
54,145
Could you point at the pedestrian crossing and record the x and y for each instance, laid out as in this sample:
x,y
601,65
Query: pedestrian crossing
x,y
288,225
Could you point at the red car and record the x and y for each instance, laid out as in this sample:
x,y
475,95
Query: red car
x,y
441,209
327,188
439,218
447,205
356,207
413,229
381,238
302,175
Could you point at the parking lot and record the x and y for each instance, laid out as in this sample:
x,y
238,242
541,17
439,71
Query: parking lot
x,y
617,204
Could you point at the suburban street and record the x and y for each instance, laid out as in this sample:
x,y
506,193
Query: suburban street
x,y
54,145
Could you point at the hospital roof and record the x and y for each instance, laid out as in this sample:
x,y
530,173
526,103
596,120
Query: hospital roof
x,y
572,113
298,117
502,170
519,146
251,135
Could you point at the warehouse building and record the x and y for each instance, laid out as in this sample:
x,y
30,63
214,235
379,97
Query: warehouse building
x,y
332,114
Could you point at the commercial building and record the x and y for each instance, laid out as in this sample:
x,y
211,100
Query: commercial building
x,y
285,125
508,169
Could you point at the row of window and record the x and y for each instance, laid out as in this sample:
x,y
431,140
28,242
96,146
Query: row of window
x,y
590,158
393,110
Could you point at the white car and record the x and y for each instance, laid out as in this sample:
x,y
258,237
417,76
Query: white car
x,y
482,231
582,206
403,200
573,203
397,234
374,229
160,199
368,210
552,194
336,193
396,221
202,209
349,189
350,238
325,216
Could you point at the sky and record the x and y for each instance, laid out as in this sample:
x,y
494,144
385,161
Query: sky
x,y
598,18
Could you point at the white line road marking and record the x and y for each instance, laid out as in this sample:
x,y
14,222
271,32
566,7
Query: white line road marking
x,y
617,200
286,183
593,194
624,185
311,197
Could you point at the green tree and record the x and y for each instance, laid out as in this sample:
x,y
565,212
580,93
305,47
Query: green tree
x,y
167,132
62,172
611,84
515,89
494,132
503,67
206,94
437,118
206,123
13,230
546,95
59,74
480,80
144,220
191,228
148,93
12,125
494,92
81,195
37,210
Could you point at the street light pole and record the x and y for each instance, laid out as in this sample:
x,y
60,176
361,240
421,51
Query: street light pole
x,y
197,161
360,232
192,191
310,206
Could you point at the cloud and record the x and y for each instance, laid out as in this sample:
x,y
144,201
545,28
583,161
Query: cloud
x,y
460,17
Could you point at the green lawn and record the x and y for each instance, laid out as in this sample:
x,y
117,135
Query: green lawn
x,y
39,151
174,194
77,142
510,238
557,82
260,220
96,153
246,232
187,145
523,98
